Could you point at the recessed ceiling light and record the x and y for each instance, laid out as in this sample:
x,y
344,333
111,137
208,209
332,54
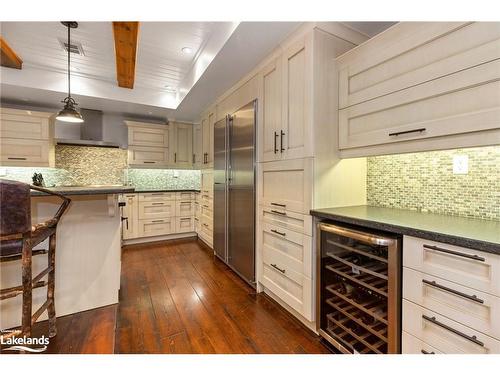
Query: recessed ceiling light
x,y
187,50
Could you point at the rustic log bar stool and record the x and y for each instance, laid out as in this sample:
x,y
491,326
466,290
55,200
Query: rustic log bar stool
x,y
17,239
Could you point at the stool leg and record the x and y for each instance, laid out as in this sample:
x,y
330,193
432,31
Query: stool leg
x,y
51,309
27,287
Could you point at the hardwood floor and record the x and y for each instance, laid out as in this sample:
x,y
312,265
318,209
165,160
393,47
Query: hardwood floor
x,y
176,297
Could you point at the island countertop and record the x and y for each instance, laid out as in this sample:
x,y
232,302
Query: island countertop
x,y
461,231
86,190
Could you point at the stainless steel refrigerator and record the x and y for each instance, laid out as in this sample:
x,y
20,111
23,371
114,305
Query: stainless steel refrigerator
x,y
234,191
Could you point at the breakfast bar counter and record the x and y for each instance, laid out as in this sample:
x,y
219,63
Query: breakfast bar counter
x,y
88,260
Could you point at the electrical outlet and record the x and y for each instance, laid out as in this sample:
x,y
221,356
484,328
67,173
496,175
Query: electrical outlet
x,y
460,164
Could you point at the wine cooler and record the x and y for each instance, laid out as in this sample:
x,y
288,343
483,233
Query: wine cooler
x,y
359,291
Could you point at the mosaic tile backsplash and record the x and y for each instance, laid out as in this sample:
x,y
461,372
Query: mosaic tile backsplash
x,y
425,182
80,165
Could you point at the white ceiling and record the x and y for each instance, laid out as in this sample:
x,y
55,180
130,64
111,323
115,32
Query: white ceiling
x,y
223,52
160,60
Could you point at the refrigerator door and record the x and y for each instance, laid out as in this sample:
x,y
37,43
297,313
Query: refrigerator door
x,y
241,193
220,189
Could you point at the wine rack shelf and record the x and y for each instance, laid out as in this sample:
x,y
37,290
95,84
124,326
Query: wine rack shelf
x,y
359,290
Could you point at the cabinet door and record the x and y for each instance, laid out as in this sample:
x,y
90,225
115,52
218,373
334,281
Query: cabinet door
x,y
130,211
197,146
148,136
271,116
26,153
295,136
24,127
211,124
182,146
147,156
286,185
205,130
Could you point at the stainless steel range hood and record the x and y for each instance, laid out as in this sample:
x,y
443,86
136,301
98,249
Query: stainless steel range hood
x,y
91,131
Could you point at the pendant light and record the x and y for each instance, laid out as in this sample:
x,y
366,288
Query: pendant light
x,y
69,113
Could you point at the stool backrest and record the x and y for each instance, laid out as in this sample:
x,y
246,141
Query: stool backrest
x,y
15,207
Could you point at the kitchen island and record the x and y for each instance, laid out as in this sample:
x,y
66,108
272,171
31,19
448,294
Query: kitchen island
x,y
88,259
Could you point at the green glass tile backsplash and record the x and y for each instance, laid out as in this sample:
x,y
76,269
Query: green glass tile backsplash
x,y
425,181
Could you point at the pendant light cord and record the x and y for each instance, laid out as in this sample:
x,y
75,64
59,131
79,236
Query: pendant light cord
x,y
69,57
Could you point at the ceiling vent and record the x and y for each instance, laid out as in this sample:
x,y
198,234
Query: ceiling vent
x,y
74,47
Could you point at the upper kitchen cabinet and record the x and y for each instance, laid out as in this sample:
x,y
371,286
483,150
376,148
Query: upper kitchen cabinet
x,y
286,94
26,138
181,145
421,86
207,126
197,146
148,144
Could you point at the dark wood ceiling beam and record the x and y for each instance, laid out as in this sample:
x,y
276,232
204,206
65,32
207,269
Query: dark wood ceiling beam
x,y
8,57
125,34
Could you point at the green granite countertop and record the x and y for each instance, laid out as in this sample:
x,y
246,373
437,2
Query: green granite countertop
x,y
461,231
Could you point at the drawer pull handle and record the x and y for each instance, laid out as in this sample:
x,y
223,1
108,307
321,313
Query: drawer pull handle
x,y
185,202
205,225
17,158
282,133
433,320
149,162
205,206
278,204
184,218
426,352
277,232
419,130
453,291
278,212
276,267
157,221
156,193
468,256
157,204
275,148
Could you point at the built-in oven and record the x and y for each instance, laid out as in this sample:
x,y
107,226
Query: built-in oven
x,y
359,289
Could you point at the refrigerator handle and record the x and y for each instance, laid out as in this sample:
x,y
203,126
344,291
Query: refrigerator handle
x,y
229,134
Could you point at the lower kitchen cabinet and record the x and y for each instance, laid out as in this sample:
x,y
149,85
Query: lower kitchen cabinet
x,y
184,224
156,227
158,214
287,258
130,224
451,301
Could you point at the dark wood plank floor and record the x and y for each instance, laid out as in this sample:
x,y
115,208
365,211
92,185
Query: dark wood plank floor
x,y
176,297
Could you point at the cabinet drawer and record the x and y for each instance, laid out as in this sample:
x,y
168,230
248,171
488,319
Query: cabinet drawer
x,y
445,334
157,197
472,268
184,224
184,208
289,250
153,210
26,152
156,227
287,185
206,210
287,219
411,345
24,127
184,195
207,232
475,309
150,137
297,292
147,156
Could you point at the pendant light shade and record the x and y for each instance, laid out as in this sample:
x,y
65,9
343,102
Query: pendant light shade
x,y
69,113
